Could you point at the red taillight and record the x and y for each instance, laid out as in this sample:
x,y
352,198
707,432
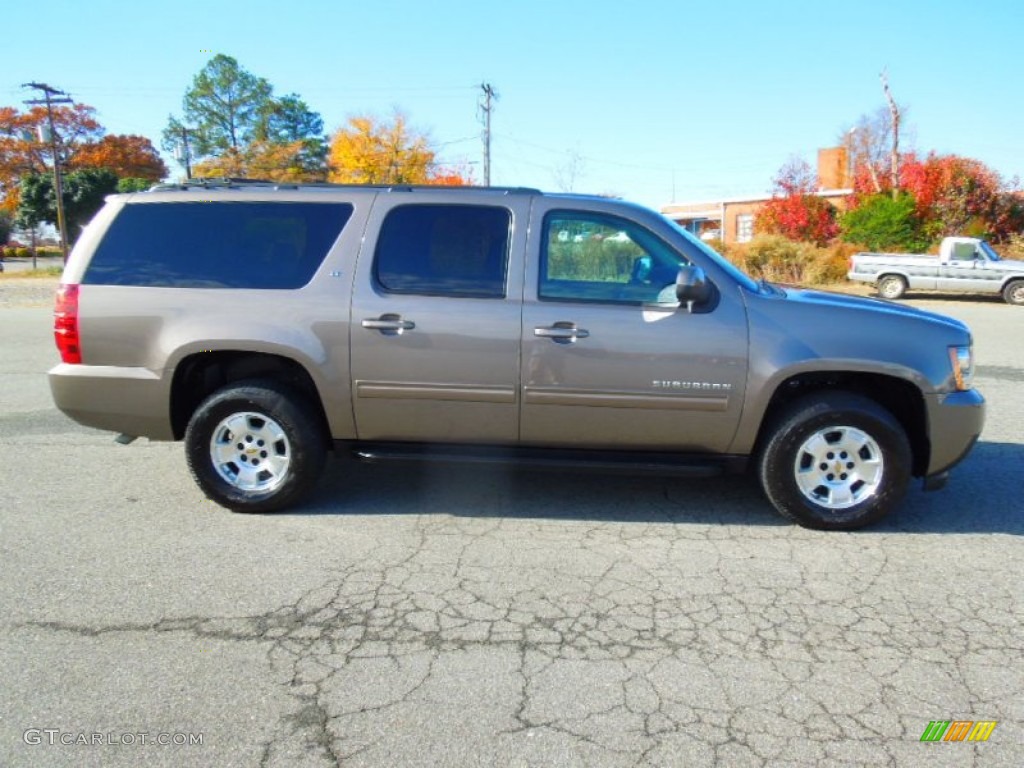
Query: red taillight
x,y
65,324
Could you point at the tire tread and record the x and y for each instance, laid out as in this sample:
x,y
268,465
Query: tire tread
x,y
305,435
774,462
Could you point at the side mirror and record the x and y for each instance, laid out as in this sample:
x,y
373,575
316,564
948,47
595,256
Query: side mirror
x,y
692,286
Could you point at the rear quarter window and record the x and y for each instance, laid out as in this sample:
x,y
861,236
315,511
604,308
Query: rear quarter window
x,y
217,244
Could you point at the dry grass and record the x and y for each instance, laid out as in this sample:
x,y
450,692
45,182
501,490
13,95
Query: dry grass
x,y
32,274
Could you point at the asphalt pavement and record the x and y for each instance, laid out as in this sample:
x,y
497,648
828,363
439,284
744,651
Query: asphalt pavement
x,y
440,616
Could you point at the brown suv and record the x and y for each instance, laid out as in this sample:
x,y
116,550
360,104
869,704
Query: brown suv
x,y
265,325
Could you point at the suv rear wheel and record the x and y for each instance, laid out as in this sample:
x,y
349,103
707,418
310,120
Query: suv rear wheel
x,y
254,446
835,461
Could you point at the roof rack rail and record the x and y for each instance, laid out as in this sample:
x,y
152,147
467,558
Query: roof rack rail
x,y
210,183
232,182
441,187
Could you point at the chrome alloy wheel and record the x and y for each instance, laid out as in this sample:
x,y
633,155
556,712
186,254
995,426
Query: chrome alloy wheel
x,y
250,452
839,467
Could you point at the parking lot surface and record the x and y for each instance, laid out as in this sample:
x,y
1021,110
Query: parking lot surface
x,y
444,616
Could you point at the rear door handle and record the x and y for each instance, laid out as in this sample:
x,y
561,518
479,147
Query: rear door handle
x,y
389,324
561,332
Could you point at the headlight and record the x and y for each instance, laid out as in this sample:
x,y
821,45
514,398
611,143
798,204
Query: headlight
x,y
962,360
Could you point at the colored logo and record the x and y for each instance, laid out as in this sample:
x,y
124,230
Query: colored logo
x,y
958,730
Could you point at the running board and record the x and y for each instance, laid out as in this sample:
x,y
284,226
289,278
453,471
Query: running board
x,y
624,462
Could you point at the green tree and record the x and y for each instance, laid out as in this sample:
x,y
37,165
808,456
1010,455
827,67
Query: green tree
x,y
134,184
231,114
882,222
288,120
84,192
226,104
6,225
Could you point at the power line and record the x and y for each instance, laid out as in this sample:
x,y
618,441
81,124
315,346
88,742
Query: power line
x,y
752,164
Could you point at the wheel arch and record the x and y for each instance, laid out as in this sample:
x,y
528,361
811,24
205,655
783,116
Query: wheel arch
x,y
901,398
199,375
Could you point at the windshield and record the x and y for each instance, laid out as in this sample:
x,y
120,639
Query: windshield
x,y
739,276
987,250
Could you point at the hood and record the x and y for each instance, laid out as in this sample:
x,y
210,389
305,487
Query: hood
x,y
842,301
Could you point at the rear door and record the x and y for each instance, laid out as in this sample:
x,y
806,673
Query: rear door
x,y
436,311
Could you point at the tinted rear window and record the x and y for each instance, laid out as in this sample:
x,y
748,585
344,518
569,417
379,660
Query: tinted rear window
x,y
217,245
444,250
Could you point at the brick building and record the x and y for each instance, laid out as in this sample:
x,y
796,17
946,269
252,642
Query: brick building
x,y
732,219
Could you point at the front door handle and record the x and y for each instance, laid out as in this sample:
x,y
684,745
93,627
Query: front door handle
x,y
389,324
561,332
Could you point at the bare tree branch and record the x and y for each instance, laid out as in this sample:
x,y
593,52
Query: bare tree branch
x,y
894,157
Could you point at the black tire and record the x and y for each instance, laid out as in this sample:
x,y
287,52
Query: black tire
x,y
255,446
892,287
1013,292
835,461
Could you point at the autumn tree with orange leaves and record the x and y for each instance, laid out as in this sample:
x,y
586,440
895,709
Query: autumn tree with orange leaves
x,y
370,150
268,160
451,176
23,150
129,157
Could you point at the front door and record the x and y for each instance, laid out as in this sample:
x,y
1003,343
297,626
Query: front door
x,y
968,270
608,360
435,320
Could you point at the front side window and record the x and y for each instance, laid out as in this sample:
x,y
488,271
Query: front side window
x,y
217,244
444,250
597,257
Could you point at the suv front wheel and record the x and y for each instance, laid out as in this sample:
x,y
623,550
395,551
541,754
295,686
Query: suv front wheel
x,y
835,461
254,446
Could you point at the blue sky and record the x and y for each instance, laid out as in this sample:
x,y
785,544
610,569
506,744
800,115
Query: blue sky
x,y
656,100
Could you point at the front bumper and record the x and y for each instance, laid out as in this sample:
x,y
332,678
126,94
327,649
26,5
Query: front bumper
x,y
955,421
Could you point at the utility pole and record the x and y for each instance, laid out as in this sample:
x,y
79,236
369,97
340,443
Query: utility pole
x,y
51,97
487,107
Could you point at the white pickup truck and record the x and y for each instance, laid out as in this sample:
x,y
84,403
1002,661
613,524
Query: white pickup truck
x,y
963,264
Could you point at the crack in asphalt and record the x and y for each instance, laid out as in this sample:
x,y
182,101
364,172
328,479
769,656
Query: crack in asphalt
x,y
681,651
